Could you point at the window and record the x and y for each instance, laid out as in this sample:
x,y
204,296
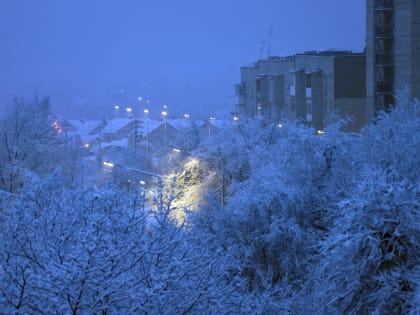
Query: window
x,y
308,110
292,84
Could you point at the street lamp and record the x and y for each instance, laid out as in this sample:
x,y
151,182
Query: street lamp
x,y
219,160
159,178
129,111
116,110
164,114
211,118
146,112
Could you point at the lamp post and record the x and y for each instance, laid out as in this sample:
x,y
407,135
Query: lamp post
x,y
159,178
211,118
146,112
164,114
219,160
129,111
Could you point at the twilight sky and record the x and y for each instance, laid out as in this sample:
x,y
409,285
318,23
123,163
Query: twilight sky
x,y
88,55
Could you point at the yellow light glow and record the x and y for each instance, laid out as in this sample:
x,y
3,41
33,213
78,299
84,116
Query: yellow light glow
x,y
117,107
279,125
86,145
57,127
129,109
146,111
109,164
320,132
164,113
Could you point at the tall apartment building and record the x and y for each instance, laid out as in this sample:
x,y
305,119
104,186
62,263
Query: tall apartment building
x,y
311,87
264,88
326,84
392,51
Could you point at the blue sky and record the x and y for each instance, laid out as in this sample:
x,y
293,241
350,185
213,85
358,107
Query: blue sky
x,y
88,55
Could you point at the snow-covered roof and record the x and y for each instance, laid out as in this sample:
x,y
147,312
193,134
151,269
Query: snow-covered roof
x,y
116,124
84,127
151,125
180,123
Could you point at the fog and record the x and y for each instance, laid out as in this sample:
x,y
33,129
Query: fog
x,y
88,56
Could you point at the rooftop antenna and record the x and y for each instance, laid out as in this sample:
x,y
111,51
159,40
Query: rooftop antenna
x,y
270,33
262,43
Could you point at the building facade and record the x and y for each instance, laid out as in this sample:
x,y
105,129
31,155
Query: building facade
x,y
264,88
311,87
392,52
328,84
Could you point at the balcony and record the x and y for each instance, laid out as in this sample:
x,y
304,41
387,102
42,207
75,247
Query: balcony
x,y
383,60
384,5
384,87
384,30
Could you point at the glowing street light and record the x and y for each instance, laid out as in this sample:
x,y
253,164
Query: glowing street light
x,y
186,116
221,162
146,112
159,178
117,107
108,164
211,118
164,114
128,109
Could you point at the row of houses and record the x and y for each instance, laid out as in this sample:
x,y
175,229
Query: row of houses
x,y
146,135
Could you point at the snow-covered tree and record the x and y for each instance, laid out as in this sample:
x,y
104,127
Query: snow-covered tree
x,y
29,140
369,261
